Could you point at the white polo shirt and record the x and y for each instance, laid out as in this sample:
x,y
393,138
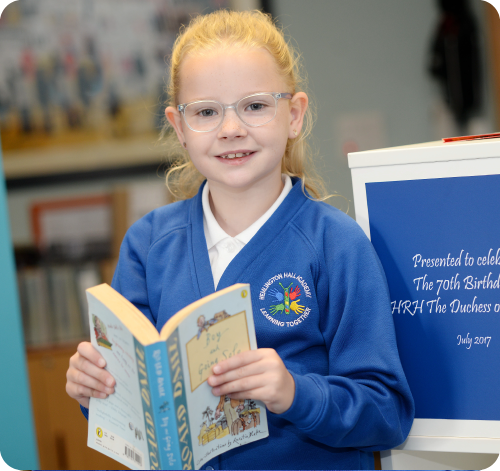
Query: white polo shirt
x,y
222,248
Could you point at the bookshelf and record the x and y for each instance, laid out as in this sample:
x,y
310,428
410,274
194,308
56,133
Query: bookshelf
x,y
105,158
75,245
55,317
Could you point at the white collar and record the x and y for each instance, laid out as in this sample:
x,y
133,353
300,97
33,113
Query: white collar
x,y
214,233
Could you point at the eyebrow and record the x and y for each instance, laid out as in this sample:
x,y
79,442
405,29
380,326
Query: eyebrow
x,y
226,103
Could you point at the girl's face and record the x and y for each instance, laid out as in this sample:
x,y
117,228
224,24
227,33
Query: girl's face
x,y
227,76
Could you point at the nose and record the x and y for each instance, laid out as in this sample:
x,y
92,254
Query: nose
x,y
232,126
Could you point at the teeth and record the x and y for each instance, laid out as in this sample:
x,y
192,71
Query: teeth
x,y
232,156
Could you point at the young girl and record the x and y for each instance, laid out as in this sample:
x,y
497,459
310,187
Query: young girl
x,y
327,368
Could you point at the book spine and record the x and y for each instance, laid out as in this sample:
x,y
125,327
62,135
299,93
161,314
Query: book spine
x,y
180,403
147,406
163,405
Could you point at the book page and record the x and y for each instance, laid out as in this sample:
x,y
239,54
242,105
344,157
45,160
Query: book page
x,y
214,331
116,424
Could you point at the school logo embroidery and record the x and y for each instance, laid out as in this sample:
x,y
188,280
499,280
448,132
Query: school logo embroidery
x,y
284,300
285,294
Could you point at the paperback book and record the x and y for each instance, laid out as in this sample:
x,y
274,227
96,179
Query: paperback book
x,y
163,414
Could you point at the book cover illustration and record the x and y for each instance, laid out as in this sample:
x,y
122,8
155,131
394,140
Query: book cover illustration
x,y
100,333
218,330
223,416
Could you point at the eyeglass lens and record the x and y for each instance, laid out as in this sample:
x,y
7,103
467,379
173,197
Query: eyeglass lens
x,y
253,111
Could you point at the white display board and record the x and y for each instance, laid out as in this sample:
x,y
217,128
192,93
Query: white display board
x,y
432,212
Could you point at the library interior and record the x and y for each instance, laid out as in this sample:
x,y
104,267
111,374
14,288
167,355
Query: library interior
x,y
82,100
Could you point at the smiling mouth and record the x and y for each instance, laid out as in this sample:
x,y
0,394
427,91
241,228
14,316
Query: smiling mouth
x,y
234,156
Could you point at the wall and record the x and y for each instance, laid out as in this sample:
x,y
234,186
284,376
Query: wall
x,y
367,66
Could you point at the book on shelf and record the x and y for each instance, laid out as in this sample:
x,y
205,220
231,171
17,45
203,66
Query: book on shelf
x,y
163,414
68,324
54,303
35,306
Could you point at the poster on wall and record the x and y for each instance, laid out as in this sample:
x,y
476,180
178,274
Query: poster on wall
x,y
81,71
431,212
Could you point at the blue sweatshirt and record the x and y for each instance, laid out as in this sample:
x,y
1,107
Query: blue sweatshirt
x,y
319,298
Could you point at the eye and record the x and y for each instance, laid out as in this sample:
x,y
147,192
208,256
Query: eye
x,y
202,111
207,113
255,106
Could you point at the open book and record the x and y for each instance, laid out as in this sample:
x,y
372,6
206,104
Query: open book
x,y
163,414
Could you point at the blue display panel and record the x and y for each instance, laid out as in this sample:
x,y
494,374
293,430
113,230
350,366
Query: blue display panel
x,y
439,243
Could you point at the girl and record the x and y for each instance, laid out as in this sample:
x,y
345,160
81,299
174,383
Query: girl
x,y
327,367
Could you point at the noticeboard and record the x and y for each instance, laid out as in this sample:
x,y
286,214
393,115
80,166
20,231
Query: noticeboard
x,y
432,213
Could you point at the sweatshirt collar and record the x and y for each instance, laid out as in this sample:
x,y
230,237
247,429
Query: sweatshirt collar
x,y
215,234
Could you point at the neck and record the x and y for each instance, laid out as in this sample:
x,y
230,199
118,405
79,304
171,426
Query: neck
x,y
237,209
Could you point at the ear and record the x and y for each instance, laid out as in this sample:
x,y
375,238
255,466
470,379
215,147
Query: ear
x,y
298,107
175,119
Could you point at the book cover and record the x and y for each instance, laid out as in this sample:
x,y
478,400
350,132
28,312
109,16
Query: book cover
x,y
163,414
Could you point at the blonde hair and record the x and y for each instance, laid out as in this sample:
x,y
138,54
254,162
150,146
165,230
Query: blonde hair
x,y
251,29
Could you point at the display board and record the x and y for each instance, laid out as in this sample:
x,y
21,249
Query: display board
x,y
431,212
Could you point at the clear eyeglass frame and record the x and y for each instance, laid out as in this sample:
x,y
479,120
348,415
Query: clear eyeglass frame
x,y
276,95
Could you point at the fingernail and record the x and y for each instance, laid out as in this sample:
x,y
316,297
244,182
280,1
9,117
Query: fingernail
x,y
109,381
217,369
102,395
101,362
109,390
216,391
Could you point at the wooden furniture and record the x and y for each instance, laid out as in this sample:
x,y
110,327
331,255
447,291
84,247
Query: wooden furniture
x,y
61,428
28,168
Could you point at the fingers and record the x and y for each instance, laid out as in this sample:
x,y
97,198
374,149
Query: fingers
x,y
238,361
239,386
84,382
238,373
86,350
258,394
243,372
86,376
89,361
79,391
251,369
83,369
257,374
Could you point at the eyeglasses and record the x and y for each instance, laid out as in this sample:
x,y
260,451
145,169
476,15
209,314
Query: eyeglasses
x,y
254,110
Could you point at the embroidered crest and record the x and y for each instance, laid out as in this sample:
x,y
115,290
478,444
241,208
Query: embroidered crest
x,y
285,298
283,293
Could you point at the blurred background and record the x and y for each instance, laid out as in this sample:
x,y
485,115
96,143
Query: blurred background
x,y
81,107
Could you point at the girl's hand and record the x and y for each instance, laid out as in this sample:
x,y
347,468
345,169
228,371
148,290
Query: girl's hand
x,y
86,376
256,374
